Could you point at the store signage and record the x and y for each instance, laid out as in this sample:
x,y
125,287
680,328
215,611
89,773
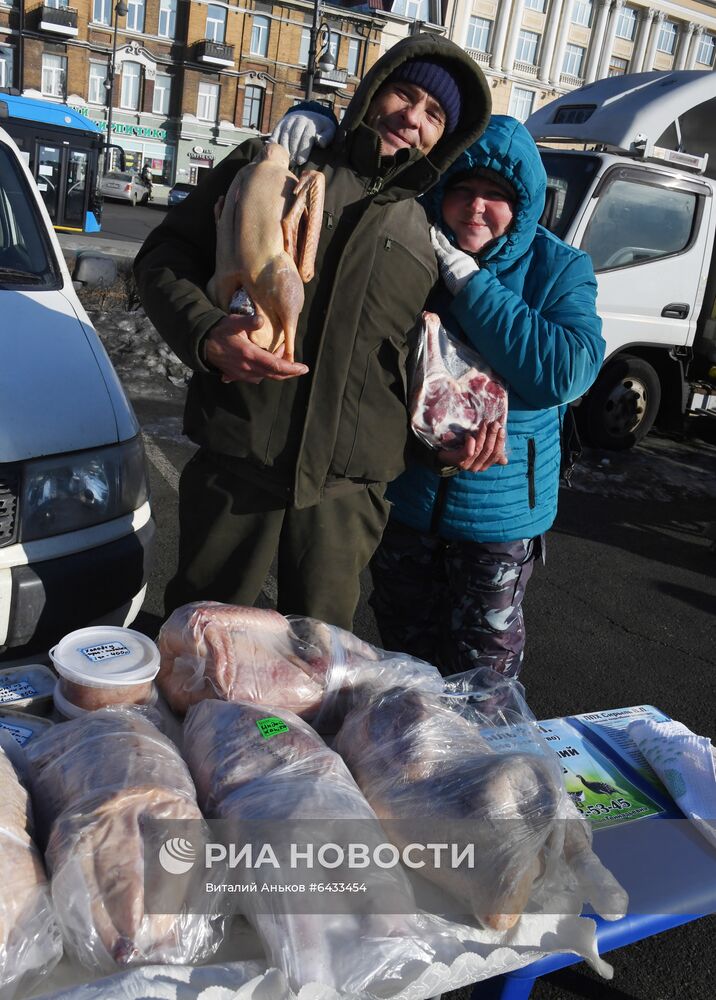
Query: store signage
x,y
198,152
119,128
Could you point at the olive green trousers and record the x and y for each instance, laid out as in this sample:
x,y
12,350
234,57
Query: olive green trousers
x,y
230,532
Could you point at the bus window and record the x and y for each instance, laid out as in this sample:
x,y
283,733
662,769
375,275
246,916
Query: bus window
x,y
47,173
75,184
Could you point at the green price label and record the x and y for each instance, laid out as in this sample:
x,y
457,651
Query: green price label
x,y
271,727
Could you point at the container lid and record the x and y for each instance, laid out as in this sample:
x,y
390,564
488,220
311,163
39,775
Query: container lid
x,y
106,656
72,711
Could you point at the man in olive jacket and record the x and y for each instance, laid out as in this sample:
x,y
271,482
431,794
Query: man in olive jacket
x,y
294,457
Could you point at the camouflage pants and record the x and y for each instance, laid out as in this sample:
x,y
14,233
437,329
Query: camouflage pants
x,y
455,604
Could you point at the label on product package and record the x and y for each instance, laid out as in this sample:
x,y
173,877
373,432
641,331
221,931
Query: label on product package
x,y
105,651
611,726
602,792
21,734
15,690
271,726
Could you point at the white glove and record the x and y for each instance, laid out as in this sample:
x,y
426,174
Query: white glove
x,y
299,131
455,266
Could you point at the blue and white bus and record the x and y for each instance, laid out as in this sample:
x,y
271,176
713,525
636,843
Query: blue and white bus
x,y
63,149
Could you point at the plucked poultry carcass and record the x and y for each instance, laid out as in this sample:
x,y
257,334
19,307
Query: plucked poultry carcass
x,y
30,942
452,390
268,227
418,761
98,780
291,783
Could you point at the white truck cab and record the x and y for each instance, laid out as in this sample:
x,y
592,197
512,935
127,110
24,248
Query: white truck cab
x,y
631,162
76,527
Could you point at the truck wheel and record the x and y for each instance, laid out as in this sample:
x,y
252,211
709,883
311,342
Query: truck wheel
x,y
621,407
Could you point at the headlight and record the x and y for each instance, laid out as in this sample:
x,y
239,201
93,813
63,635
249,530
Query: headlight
x,y
69,492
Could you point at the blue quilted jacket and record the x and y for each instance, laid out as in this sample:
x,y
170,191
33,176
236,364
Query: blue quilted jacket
x,y
530,311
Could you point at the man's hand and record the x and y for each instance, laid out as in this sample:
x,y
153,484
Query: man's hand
x,y
227,347
456,267
481,449
299,131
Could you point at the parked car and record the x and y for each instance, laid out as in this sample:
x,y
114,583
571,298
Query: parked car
x,y
179,192
124,186
76,526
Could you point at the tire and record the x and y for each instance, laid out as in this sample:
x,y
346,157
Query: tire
x,y
621,407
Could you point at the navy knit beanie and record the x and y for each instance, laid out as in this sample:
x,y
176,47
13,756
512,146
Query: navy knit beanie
x,y
439,83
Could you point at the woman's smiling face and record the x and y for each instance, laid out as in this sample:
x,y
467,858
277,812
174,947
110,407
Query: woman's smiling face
x,y
478,210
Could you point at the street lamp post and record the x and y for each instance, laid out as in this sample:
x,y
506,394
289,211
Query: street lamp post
x,y
120,10
319,29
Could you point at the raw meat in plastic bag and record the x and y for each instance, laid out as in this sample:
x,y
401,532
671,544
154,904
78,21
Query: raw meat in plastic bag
x,y
290,781
30,942
453,391
97,780
234,653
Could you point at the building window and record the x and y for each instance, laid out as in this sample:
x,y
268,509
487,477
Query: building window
x,y
573,60
416,10
582,12
478,34
167,18
162,89
259,36
57,4
527,47
353,56
96,91
626,23
304,48
54,75
666,41
535,5
5,66
521,102
253,107
216,23
102,11
135,15
618,67
131,79
705,52
207,105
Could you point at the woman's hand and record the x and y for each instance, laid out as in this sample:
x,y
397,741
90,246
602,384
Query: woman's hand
x,y
456,267
480,450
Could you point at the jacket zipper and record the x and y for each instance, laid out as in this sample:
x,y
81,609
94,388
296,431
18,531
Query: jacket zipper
x,y
438,507
531,472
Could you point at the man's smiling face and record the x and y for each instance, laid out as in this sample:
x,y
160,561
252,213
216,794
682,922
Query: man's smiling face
x,y
405,116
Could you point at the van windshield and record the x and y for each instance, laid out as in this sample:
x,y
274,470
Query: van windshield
x,y
25,256
569,175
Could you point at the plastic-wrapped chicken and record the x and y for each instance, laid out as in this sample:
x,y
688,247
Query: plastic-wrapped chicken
x,y
287,778
30,942
212,650
96,781
421,758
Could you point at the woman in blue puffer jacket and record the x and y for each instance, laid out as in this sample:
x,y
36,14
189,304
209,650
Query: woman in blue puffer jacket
x,y
450,574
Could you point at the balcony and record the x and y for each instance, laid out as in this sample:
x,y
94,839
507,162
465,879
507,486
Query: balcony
x,y
58,20
481,58
526,69
215,53
332,79
567,80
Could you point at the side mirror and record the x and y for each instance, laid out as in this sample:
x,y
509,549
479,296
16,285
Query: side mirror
x,y
549,214
93,270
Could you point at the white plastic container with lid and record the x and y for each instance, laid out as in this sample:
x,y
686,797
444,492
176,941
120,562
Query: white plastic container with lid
x,y
27,688
105,665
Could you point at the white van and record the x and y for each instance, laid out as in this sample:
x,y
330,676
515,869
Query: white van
x,y
76,528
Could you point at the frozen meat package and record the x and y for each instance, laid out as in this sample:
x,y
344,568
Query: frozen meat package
x,y
30,942
263,769
96,782
234,653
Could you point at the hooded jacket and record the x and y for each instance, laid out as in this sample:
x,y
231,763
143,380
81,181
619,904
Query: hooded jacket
x,y
347,418
530,311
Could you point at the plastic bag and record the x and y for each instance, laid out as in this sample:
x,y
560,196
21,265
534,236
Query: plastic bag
x,y
97,780
30,942
286,780
212,650
452,390
469,767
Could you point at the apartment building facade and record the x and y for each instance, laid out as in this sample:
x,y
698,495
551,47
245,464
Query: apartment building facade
x,y
191,79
